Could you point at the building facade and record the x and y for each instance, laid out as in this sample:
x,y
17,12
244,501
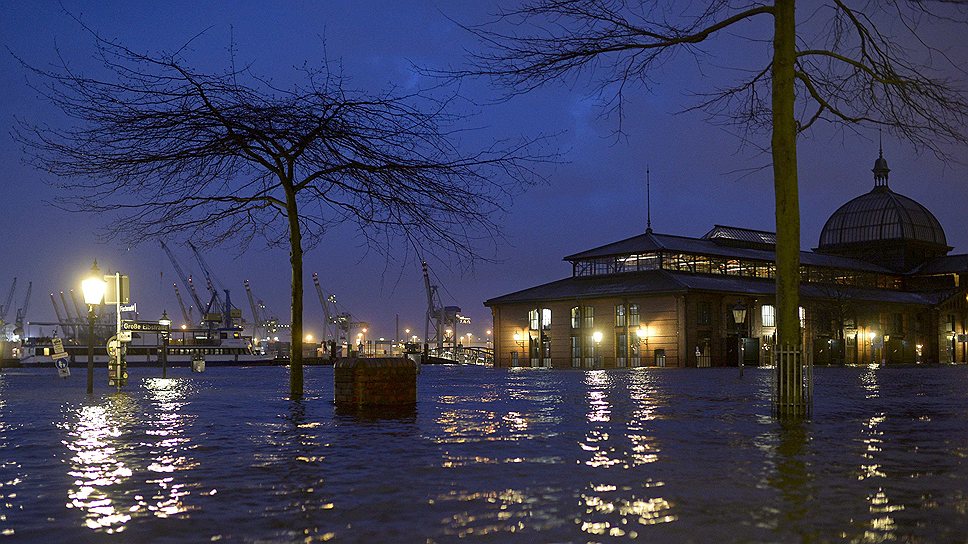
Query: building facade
x,y
880,288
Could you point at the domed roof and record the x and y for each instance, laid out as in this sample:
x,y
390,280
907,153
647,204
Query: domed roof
x,y
881,215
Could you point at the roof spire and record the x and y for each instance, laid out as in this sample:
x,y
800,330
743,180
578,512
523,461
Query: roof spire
x,y
648,200
880,165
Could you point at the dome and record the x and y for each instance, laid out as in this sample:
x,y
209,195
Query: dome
x,y
882,215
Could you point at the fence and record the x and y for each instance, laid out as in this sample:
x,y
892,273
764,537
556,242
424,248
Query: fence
x,y
793,382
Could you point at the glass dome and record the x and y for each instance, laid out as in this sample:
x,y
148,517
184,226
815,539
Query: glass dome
x,y
881,215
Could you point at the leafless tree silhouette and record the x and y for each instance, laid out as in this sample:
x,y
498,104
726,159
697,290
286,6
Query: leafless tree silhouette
x,y
168,149
869,64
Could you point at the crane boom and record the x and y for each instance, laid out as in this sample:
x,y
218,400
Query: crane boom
x,y
257,320
185,279
210,282
326,313
60,319
186,313
22,311
67,309
6,305
77,307
433,311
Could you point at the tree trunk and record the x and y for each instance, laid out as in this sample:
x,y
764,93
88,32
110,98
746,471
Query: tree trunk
x,y
296,261
791,391
784,145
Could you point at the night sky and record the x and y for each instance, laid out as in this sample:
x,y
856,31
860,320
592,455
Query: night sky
x,y
701,173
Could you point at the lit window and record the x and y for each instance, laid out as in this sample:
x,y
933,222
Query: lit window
x,y
768,312
633,315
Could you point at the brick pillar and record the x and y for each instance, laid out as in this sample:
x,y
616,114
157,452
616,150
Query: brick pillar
x,y
375,382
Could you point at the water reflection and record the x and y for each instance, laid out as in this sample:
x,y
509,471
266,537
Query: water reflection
x,y
8,481
626,502
168,446
792,477
293,452
98,437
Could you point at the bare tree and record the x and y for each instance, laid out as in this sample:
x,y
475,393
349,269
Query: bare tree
x,y
839,64
231,156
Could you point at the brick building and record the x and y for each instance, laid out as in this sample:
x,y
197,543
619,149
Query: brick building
x,y
880,287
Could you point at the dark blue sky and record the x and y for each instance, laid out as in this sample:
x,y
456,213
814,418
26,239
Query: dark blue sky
x,y
595,196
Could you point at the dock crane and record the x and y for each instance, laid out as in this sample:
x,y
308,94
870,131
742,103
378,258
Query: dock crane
x,y
22,311
434,311
67,311
6,305
60,319
328,303
185,279
186,312
210,283
442,317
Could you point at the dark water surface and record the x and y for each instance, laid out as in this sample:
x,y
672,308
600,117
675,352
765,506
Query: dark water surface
x,y
667,455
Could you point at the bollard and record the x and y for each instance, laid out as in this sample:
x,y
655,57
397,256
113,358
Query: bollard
x,y
375,382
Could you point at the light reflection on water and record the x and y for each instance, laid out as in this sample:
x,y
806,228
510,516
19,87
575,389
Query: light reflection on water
x,y
489,455
97,463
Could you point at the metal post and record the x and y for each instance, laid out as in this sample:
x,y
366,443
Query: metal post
x,y
117,291
739,350
164,355
90,348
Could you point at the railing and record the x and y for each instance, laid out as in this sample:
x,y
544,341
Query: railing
x,y
467,355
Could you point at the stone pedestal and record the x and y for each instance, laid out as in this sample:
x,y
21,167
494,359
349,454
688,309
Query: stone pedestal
x,y
375,382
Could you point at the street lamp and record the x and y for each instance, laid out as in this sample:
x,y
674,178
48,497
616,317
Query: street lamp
x,y
165,322
93,287
739,316
872,336
519,340
643,334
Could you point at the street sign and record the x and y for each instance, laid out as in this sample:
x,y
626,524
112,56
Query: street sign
x,y
59,352
133,307
144,326
111,291
62,369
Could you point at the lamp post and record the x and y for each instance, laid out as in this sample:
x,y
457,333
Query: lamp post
x,y
643,334
164,322
93,287
872,336
519,340
739,316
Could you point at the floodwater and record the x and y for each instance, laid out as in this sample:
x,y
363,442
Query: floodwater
x,y
489,455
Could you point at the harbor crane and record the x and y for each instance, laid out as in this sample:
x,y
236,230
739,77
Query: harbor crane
x,y
338,323
210,282
186,312
6,305
260,318
329,306
60,319
22,312
444,318
185,278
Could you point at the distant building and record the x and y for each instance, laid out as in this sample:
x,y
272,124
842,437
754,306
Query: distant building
x,y
879,288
